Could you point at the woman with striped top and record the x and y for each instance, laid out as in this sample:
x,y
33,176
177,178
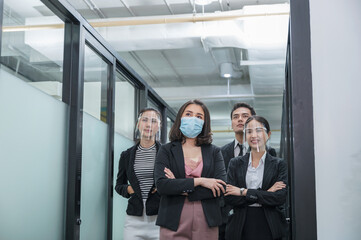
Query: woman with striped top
x,y
135,178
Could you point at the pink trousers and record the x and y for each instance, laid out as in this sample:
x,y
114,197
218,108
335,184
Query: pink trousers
x,y
192,225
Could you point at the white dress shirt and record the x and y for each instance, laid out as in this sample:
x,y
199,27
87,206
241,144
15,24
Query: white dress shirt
x,y
237,148
254,176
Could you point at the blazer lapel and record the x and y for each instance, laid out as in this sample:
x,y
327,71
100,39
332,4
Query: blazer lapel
x,y
207,160
177,152
268,172
134,183
231,149
243,169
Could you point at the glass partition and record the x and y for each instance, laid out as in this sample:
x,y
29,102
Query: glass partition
x,y
95,85
123,139
152,104
33,155
33,126
94,179
120,204
32,45
124,107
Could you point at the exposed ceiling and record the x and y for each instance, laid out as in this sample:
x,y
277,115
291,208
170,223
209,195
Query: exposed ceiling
x,y
182,57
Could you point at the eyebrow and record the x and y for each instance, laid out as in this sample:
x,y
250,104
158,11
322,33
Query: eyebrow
x,y
241,113
189,111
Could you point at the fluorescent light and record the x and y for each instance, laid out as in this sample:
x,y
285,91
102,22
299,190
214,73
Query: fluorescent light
x,y
226,70
203,2
226,75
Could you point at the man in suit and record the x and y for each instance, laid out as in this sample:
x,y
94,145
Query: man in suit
x,y
239,115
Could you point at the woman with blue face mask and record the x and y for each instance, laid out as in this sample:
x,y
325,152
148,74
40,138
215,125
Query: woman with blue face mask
x,y
190,177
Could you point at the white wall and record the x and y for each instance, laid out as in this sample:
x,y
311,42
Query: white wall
x,y
336,77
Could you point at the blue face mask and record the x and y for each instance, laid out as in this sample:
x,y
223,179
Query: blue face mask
x,y
191,127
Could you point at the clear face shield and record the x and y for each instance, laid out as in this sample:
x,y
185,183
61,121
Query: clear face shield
x,y
255,136
148,126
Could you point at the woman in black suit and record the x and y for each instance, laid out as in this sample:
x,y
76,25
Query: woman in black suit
x,y
256,188
135,179
189,175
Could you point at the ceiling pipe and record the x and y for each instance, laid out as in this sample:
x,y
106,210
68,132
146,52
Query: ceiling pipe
x,y
182,18
133,21
227,97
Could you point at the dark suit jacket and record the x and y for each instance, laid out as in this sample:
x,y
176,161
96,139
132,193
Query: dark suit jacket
x,y
228,152
126,173
275,170
171,204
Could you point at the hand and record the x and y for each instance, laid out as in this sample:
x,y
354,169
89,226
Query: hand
x,y
154,190
168,173
216,185
130,190
232,190
277,186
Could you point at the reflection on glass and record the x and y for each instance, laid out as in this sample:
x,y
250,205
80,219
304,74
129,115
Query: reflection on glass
x,y
31,53
169,126
124,107
95,85
152,104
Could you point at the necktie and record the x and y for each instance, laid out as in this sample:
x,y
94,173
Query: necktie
x,y
241,150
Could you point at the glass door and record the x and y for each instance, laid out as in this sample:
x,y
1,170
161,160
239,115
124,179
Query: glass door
x,y
94,173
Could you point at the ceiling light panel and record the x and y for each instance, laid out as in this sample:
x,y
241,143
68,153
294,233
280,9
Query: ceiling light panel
x,y
107,3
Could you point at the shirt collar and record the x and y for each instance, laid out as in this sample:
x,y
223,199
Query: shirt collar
x,y
261,161
236,143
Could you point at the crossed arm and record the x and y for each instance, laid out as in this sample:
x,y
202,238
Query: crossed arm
x,y
274,196
195,188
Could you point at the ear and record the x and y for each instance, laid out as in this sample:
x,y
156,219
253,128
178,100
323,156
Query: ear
x,y
269,134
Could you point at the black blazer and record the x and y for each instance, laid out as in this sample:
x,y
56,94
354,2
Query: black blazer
x,y
228,153
171,203
126,173
275,170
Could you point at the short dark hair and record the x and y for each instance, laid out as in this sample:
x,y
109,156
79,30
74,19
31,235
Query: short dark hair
x,y
260,120
244,105
205,137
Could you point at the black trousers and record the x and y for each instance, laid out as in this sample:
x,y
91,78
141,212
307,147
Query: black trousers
x,y
222,232
256,225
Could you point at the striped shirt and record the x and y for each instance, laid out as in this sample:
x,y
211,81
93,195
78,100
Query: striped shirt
x,y
144,168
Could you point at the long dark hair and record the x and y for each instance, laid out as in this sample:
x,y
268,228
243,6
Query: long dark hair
x,y
205,137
